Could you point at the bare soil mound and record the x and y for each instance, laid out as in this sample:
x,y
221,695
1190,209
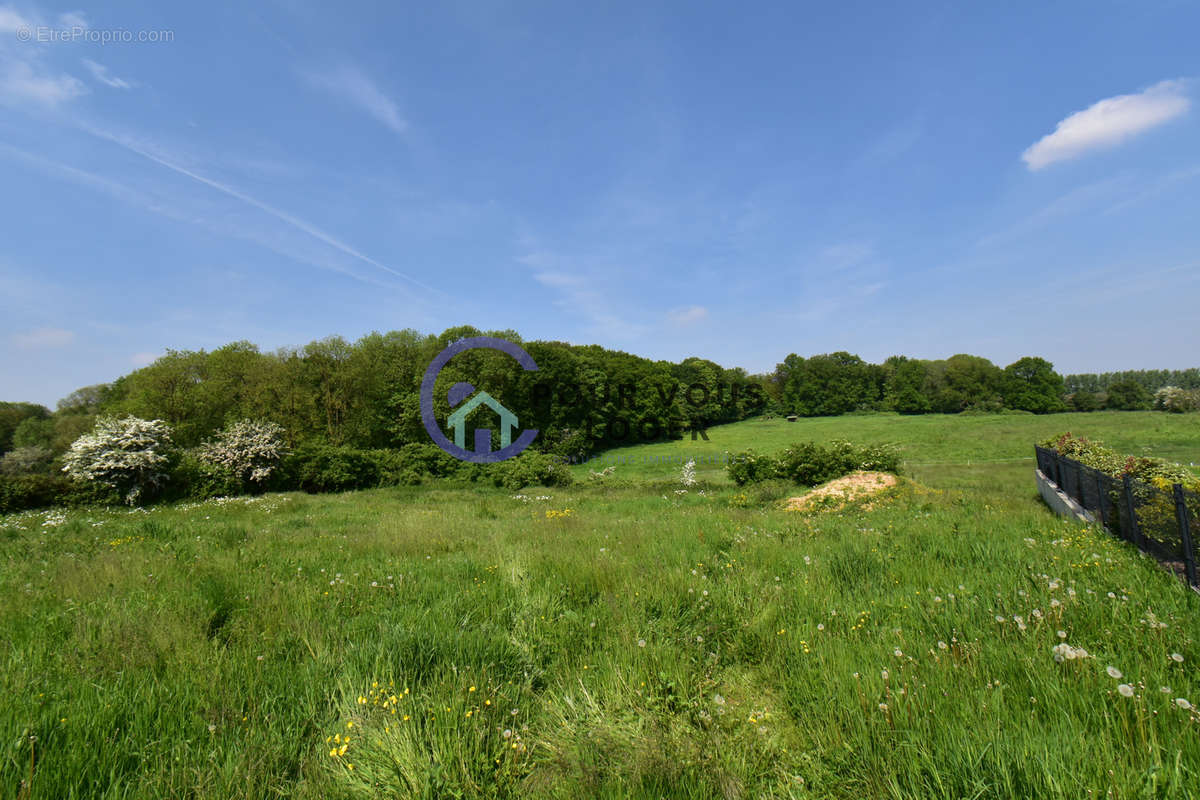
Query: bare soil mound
x,y
838,492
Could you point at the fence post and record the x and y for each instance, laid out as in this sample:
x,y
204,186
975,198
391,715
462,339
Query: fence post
x,y
1134,535
1185,535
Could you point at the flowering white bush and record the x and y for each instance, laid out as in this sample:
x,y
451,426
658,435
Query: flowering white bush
x,y
1172,398
249,449
126,454
687,475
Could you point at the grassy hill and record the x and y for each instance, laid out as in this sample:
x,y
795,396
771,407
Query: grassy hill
x,y
618,638
929,443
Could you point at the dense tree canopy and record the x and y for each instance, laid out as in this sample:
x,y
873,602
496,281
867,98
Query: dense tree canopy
x,y
1150,379
1031,384
365,394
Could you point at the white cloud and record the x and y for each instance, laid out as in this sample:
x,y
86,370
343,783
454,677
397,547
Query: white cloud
x,y
73,19
352,86
101,73
1108,123
20,82
11,21
581,296
43,337
687,316
143,359
23,78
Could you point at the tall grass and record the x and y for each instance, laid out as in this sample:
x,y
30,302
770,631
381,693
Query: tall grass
x,y
607,640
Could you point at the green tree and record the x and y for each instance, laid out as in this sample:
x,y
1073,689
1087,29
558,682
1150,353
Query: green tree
x,y
1128,395
1031,384
34,432
1083,400
830,384
12,415
904,387
965,381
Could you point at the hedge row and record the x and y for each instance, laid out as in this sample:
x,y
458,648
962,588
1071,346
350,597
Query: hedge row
x,y
313,469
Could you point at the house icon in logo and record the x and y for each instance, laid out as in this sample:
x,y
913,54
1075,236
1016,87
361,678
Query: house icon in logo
x,y
459,393
483,436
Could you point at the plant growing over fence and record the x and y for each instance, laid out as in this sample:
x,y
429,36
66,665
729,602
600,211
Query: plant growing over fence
x,y
1095,455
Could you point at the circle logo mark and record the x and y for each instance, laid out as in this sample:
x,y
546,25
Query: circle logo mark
x,y
464,396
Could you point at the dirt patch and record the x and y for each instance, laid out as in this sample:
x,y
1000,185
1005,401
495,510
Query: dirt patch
x,y
838,492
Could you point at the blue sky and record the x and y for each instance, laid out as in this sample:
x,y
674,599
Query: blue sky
x,y
670,179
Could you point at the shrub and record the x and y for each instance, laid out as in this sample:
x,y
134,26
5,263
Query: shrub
x,y
195,478
751,467
392,468
809,463
328,468
127,454
528,469
25,460
1083,400
423,458
1168,398
26,491
250,450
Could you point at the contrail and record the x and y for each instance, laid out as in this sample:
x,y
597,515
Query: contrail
x,y
295,222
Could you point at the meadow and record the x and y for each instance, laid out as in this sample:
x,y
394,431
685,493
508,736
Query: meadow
x,y
624,637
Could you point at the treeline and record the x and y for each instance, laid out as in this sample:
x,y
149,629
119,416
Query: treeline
x,y
365,394
839,383
349,412
1149,379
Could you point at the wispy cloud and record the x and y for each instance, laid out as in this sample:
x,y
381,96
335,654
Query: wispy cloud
x,y
101,73
846,254
352,86
21,83
579,296
73,19
144,359
688,315
43,338
11,21
165,160
155,201
24,80
1108,123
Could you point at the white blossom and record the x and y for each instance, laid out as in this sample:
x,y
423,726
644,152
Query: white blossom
x,y
249,449
126,454
687,475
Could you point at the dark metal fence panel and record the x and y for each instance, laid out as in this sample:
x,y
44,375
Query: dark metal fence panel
x,y
1187,509
1157,522
1162,520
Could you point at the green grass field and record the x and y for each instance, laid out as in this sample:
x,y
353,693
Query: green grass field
x,y
618,638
